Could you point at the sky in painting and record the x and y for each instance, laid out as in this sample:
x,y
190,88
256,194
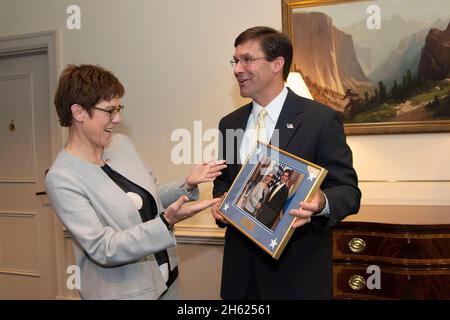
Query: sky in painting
x,y
413,10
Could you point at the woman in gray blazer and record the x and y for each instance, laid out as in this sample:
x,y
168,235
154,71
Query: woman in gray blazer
x,y
106,196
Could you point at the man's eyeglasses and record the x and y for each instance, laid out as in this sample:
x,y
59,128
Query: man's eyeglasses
x,y
245,61
112,112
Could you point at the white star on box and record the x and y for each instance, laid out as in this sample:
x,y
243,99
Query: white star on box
x,y
273,243
226,207
312,173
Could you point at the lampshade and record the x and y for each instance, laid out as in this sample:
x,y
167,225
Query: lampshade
x,y
296,83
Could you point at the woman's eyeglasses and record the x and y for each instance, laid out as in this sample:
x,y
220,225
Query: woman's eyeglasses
x,y
112,112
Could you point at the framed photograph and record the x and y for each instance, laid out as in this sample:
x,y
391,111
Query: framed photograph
x,y
385,65
271,182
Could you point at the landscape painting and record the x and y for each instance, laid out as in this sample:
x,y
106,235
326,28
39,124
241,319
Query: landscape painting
x,y
385,65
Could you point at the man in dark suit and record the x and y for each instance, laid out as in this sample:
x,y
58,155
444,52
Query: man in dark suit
x,y
274,201
303,127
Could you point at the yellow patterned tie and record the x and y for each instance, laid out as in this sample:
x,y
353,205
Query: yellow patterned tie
x,y
261,126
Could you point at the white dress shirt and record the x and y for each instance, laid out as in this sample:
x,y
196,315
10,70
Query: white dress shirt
x,y
273,112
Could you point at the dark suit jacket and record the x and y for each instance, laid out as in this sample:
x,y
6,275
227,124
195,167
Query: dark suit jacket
x,y
270,208
304,269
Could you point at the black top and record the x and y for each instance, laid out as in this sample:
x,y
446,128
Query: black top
x,y
148,210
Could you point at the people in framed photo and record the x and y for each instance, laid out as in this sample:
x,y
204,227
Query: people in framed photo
x,y
267,191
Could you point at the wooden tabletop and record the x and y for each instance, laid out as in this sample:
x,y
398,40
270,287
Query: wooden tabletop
x,y
402,214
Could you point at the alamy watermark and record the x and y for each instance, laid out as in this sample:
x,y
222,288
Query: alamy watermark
x,y
210,144
374,20
73,21
374,280
73,281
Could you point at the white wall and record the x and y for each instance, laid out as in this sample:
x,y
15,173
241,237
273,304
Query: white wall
x,y
172,57
420,160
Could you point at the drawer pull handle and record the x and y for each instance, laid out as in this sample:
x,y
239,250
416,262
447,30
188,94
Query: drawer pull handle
x,y
356,245
356,282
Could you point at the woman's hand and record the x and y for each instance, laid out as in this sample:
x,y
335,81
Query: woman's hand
x,y
215,210
206,172
180,210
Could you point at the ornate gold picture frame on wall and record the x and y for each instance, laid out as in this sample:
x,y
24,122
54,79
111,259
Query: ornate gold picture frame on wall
x,y
385,65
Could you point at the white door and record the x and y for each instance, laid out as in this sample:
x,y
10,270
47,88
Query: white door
x,y
27,242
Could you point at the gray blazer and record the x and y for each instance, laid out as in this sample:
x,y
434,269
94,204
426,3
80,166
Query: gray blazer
x,y
113,248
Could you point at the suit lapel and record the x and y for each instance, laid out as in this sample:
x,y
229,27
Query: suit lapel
x,y
240,123
288,122
241,117
275,191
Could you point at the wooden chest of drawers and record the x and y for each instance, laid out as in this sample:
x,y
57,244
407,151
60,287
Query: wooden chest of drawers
x,y
413,261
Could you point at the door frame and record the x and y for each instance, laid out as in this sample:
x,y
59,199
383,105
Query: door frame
x,y
26,44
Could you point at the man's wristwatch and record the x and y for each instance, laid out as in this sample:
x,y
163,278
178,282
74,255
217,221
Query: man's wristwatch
x,y
168,225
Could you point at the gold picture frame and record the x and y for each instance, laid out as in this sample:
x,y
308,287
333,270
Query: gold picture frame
x,y
278,181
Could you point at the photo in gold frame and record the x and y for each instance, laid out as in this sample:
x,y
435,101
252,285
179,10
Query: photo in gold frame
x,y
270,183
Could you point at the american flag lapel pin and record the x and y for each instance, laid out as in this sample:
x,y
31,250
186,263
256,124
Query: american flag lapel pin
x,y
290,126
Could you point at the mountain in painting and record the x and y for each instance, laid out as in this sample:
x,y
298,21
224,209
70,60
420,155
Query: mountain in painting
x,y
380,42
327,59
435,57
406,56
